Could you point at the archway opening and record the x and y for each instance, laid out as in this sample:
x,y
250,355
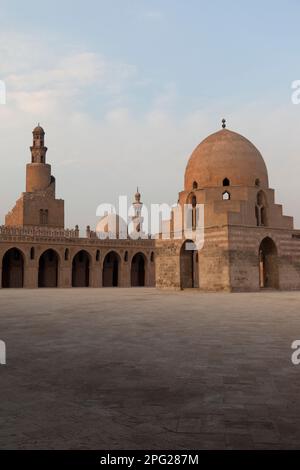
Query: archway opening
x,y
48,269
268,264
13,269
81,269
188,265
138,270
111,267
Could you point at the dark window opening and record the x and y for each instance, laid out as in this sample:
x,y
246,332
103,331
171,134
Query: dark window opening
x,y
44,216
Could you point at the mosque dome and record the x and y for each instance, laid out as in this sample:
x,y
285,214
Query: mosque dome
x,y
38,130
225,156
111,225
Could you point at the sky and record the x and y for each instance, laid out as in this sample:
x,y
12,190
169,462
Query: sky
x,y
126,89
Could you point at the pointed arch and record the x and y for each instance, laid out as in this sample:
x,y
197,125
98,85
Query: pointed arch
x,y
111,269
81,269
268,264
138,270
189,265
48,269
13,268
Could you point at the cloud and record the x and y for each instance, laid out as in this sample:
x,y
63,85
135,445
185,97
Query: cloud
x,y
43,77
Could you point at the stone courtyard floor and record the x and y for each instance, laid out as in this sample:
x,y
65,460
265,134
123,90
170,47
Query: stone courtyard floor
x,y
149,369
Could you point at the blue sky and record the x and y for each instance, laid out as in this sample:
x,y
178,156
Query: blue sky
x,y
126,89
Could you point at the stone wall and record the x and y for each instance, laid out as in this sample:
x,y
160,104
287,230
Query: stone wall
x,y
244,244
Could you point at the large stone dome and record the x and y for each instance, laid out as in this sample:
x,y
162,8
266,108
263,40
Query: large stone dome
x,y
225,155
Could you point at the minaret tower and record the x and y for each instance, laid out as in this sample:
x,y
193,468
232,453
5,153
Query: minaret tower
x,y
38,206
38,172
137,219
38,149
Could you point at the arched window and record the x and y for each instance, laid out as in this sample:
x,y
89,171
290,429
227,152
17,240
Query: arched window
x,y
44,216
66,254
152,257
98,255
126,256
32,253
194,213
261,209
226,196
195,185
226,182
257,182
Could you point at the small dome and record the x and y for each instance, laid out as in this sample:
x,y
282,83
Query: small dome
x,y
111,225
225,156
38,130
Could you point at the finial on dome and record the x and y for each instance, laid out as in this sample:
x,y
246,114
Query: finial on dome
x,y
224,123
137,195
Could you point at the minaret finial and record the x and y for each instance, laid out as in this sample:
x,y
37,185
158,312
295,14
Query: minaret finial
x,y
137,196
224,123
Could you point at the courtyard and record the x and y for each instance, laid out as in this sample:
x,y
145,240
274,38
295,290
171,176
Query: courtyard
x,y
143,368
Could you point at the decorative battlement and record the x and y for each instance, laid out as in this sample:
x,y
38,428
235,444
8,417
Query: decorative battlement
x,y
40,232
